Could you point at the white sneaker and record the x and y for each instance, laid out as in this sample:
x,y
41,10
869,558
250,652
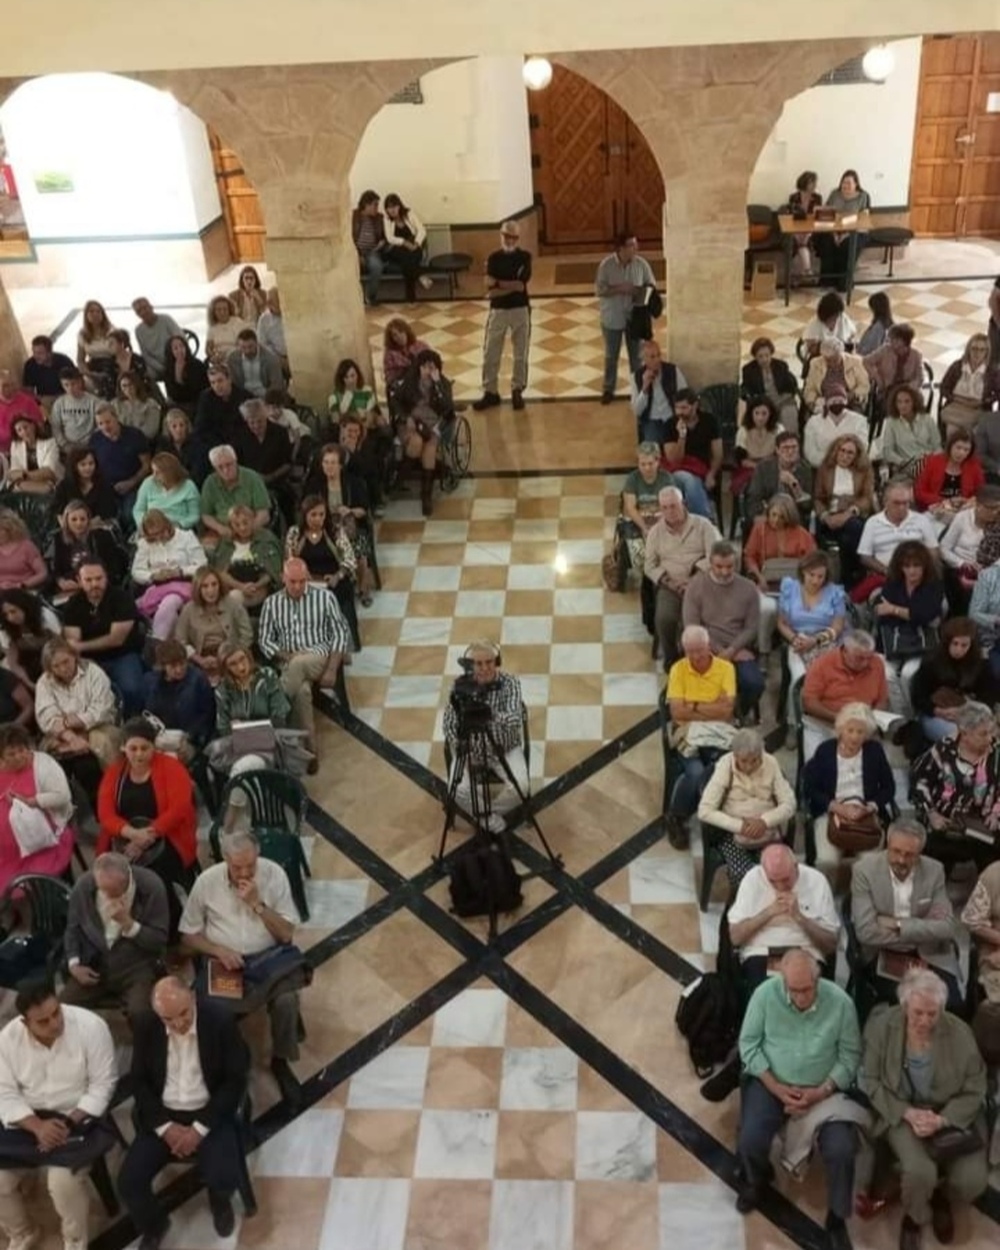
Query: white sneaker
x,y
425,281
496,823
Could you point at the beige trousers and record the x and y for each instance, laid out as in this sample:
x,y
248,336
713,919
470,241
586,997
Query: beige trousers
x,y
69,1197
297,679
499,321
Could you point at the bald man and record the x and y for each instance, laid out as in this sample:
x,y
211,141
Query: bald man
x,y
189,1076
781,903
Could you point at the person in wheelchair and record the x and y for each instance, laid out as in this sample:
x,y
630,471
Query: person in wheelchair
x,y
425,418
641,501
501,693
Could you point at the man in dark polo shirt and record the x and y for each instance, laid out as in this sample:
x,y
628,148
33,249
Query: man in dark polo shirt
x,y
264,446
692,451
101,623
41,371
508,272
122,455
217,418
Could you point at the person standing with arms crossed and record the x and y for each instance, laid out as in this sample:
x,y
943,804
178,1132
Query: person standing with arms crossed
x,y
508,272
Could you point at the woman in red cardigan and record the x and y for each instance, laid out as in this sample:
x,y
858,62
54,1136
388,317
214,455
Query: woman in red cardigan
x,y
146,809
949,479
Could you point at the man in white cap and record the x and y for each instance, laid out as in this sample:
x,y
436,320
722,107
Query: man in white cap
x,y
508,272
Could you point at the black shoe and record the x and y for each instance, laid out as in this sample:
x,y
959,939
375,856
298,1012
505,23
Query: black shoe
x,y
837,1236
517,400
774,740
151,1241
288,1083
607,397
677,834
223,1219
909,1235
748,1198
490,399
942,1220
719,1086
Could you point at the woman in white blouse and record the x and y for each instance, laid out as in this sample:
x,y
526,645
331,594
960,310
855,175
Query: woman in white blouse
x,y
166,558
405,235
969,385
35,467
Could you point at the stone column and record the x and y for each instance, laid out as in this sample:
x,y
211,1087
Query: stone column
x,y
12,348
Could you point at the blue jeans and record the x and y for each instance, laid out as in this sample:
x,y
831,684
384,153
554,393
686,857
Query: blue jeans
x,y
612,350
695,772
749,683
696,498
127,673
936,727
372,265
993,659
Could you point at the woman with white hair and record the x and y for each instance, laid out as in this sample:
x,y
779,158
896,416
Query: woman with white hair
x,y
848,779
835,367
748,799
926,1080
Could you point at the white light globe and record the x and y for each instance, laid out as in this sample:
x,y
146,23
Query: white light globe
x,y
537,73
878,63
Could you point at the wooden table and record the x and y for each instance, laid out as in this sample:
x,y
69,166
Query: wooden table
x,y
790,227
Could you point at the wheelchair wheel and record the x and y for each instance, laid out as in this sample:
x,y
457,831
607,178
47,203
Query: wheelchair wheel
x,y
461,446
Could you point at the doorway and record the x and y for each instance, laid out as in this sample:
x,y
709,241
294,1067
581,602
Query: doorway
x,y
593,172
240,206
955,175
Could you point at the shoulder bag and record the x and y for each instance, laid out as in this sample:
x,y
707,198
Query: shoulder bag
x,y
855,837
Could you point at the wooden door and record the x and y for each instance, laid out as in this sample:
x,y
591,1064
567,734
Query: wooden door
x,y
594,173
955,174
240,205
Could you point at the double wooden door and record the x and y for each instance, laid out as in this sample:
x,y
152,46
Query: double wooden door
x,y
240,205
955,175
594,174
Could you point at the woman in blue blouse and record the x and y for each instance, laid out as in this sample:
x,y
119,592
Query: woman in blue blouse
x,y
812,612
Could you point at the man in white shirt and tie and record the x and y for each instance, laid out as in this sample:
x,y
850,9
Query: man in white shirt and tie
x,y
57,1071
189,1076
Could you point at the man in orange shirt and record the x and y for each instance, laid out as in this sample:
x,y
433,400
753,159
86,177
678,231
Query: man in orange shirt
x,y
852,673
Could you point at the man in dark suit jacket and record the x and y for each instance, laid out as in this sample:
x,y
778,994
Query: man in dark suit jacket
x,y
116,932
189,1076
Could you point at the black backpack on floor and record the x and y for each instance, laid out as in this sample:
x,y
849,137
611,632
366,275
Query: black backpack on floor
x,y
710,1010
483,880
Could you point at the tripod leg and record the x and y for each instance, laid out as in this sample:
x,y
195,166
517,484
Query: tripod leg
x,y
529,815
459,764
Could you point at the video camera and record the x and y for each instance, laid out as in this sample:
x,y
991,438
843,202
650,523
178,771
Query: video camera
x,y
468,698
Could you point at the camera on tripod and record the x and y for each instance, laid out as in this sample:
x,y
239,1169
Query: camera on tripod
x,y
468,698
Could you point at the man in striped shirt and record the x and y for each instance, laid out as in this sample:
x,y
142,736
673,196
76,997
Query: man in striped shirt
x,y
303,631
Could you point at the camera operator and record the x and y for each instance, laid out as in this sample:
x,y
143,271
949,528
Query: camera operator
x,y
484,698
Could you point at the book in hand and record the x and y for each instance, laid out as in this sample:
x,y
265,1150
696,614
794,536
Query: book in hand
x,y
895,964
222,983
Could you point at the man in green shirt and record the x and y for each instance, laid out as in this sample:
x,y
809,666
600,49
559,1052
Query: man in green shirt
x,y
799,1044
229,485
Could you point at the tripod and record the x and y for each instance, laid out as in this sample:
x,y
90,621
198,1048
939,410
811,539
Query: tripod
x,y
481,743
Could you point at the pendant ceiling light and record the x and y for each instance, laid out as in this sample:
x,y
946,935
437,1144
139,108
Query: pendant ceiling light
x,y
537,73
878,63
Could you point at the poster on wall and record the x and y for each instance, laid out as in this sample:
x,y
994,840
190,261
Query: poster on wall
x,y
13,228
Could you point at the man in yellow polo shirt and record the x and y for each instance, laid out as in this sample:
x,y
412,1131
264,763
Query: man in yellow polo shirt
x,y
701,695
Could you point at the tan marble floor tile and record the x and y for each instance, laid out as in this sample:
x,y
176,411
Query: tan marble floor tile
x,y
575,690
329,864
575,834
395,577
466,629
408,724
581,577
529,603
675,1164
560,757
452,508
380,631
524,1030
581,527
285,1203
424,660
435,603
627,657
760,1234
538,508
577,629
366,691
448,1215
541,552
463,1077
619,1213
377,1143
593,1093
500,530
536,1145
483,577
584,484
523,658
436,762
496,487
441,553
389,531
616,720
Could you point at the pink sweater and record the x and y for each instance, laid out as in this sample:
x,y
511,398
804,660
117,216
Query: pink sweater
x,y
21,564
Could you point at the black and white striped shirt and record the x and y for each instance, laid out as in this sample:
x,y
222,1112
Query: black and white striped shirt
x,y
313,623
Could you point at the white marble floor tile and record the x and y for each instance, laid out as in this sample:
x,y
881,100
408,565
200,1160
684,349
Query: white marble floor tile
x,y
625,626
365,1213
425,631
393,1081
413,692
536,767
436,577
333,903
456,1145
534,689
526,629
472,1018
406,509
536,529
398,555
574,724
538,1078
577,602
372,662
699,1216
615,1146
487,553
577,657
539,487
661,879
581,550
420,751
307,1147
493,509
581,505
532,1215
480,602
639,690
389,604
372,716
531,577
191,1227
446,531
